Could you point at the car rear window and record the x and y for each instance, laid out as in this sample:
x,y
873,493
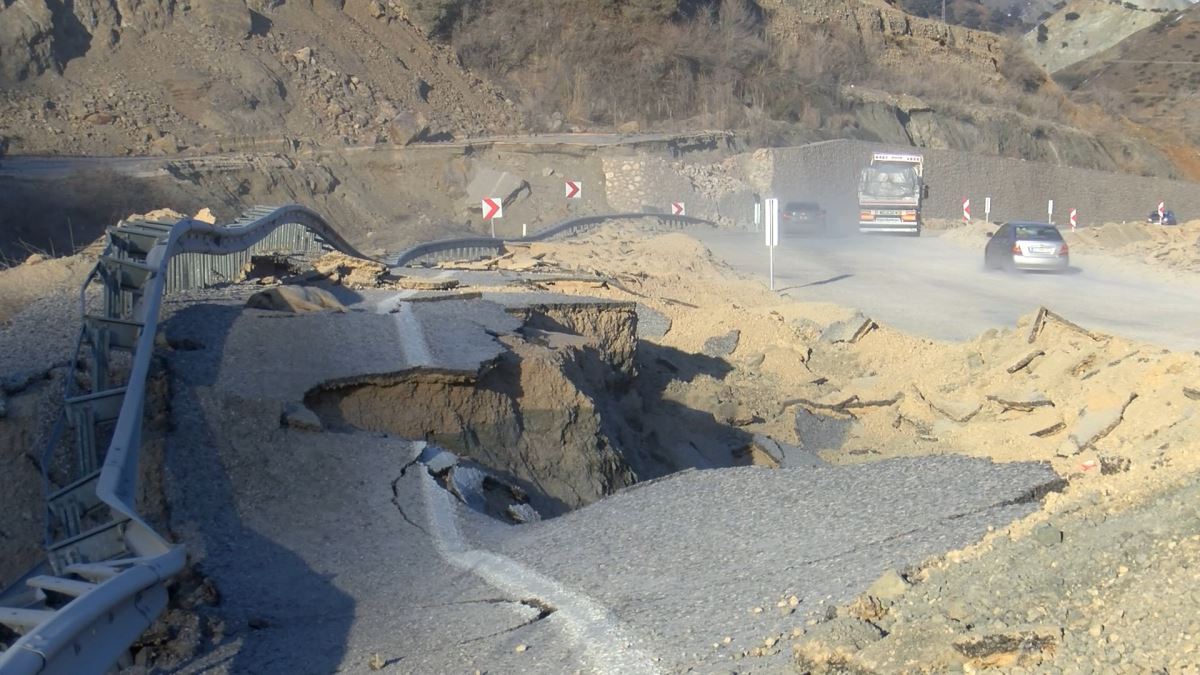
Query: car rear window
x,y
1038,233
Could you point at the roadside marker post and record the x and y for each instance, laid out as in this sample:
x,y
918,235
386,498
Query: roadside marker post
x,y
493,208
1074,212
757,215
1050,212
524,230
987,209
967,211
772,233
677,209
574,189
1162,211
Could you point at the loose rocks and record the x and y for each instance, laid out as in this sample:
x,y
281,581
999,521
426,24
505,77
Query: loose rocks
x,y
295,299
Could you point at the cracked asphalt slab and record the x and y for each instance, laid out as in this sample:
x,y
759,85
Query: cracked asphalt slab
x,y
329,548
683,561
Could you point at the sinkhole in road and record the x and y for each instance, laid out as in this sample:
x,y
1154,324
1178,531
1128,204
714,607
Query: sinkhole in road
x,y
573,409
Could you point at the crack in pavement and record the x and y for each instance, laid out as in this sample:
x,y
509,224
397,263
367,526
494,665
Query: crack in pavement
x,y
396,501
1031,495
605,643
544,611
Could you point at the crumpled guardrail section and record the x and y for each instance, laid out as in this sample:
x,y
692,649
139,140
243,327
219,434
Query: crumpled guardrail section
x,y
116,572
472,247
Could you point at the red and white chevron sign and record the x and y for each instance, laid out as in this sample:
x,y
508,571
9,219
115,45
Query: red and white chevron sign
x,y
677,209
574,189
492,208
966,210
1162,210
1073,222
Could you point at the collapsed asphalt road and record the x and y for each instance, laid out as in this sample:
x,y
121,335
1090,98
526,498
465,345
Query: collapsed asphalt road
x,y
935,288
333,550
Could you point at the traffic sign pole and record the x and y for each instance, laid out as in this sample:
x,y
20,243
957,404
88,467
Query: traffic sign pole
x,y
771,229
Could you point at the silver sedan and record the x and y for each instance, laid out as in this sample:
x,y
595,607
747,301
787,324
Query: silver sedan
x,y
1027,246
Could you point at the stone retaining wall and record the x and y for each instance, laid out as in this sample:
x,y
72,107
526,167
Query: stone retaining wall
x,y
828,173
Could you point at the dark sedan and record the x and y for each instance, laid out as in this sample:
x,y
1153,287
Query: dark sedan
x,y
802,216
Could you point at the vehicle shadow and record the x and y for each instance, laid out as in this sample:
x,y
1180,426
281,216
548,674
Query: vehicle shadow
x,y
279,614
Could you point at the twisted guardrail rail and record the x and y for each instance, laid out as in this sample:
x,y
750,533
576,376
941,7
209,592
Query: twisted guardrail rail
x,y
465,247
105,578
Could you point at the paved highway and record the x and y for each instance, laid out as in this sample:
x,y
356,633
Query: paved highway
x,y
937,288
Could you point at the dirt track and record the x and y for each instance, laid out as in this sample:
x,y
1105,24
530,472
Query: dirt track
x,y
939,289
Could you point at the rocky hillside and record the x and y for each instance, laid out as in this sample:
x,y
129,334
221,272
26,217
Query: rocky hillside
x,y
111,77
785,71
232,75
1150,77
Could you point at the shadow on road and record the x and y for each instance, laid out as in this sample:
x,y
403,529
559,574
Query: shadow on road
x,y
284,616
820,282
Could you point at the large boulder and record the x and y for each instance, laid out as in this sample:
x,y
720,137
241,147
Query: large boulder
x,y
407,128
230,18
26,40
295,299
494,183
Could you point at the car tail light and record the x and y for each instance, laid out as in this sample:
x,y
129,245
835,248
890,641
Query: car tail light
x,y
866,215
1064,249
1016,249
909,217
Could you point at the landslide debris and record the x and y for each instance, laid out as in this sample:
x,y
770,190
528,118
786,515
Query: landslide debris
x,y
1116,419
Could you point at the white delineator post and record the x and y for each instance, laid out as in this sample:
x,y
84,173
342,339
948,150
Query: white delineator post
x,y
967,211
524,230
772,234
1050,211
1074,212
987,209
1162,211
757,215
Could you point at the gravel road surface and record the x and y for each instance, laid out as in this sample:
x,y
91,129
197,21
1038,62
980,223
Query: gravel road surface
x,y
935,288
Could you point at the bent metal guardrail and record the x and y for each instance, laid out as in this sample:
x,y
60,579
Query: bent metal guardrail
x,y
105,579
470,247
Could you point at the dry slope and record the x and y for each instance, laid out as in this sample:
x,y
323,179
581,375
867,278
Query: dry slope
x,y
106,78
